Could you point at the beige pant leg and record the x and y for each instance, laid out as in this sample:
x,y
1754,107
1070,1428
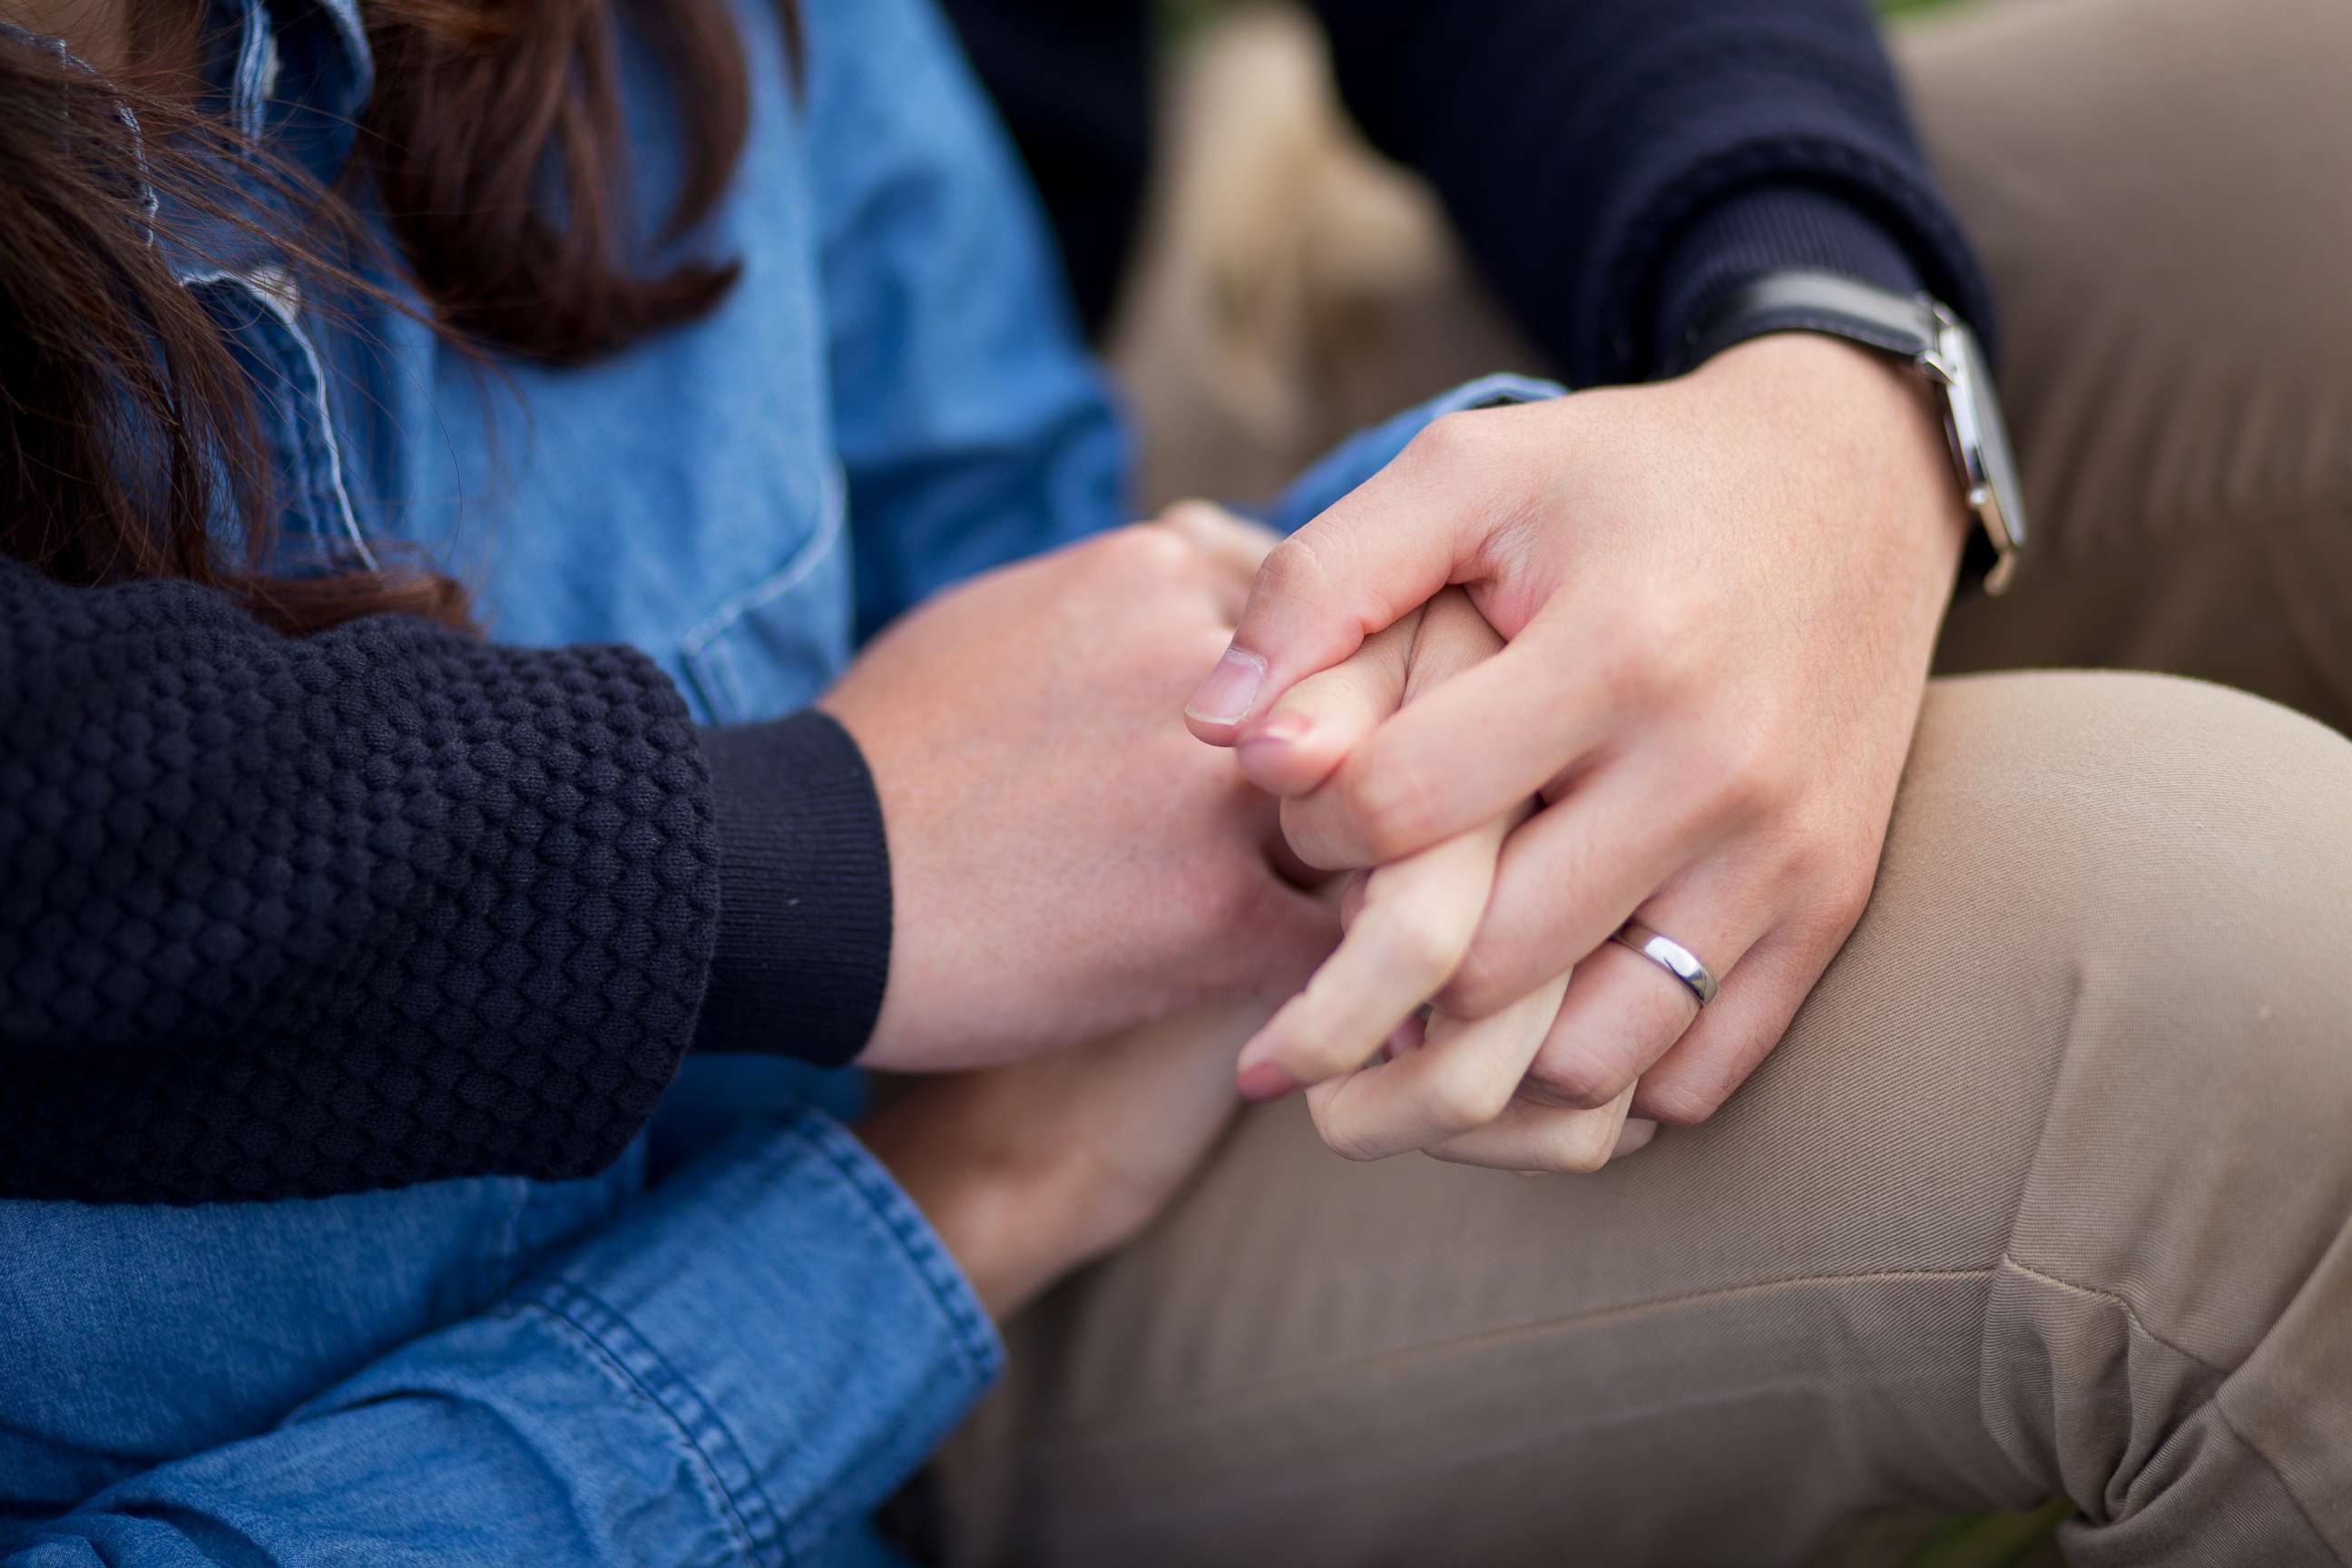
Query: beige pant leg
x,y
2162,190
2048,1191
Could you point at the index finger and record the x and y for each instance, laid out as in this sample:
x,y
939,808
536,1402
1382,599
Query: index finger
x,y
1382,549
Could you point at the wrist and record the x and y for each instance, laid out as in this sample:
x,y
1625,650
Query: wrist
x,y
1876,414
1000,1217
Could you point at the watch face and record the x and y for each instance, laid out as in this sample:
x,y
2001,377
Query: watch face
x,y
1983,439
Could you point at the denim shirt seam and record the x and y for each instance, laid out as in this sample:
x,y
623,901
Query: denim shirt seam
x,y
256,73
702,651
975,1336
312,448
751,1520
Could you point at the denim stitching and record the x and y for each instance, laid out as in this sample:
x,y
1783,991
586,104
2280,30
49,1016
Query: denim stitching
x,y
750,1517
273,291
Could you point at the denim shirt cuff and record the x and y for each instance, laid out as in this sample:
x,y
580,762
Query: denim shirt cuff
x,y
794,1320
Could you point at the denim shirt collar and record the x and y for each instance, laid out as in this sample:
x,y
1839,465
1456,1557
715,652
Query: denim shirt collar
x,y
294,75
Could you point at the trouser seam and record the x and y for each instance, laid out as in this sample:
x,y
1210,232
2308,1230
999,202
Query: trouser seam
x,y
2139,1325
1408,1355
2222,1413
2131,1313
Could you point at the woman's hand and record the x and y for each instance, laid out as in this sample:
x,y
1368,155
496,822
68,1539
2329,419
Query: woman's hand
x,y
1720,595
1451,1090
1064,861
1029,1171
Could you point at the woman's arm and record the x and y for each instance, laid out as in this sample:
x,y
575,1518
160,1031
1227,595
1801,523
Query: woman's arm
x,y
739,1369
293,917
285,917
743,1365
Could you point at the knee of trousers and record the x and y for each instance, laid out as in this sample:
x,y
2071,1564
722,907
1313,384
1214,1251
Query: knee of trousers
x,y
2157,875
2167,865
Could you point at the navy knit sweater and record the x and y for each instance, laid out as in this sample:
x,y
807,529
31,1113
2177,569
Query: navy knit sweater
x,y
286,917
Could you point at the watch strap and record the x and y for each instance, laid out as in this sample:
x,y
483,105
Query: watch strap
x,y
1919,331
1807,301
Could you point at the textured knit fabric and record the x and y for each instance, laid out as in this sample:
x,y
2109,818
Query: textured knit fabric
x,y
283,916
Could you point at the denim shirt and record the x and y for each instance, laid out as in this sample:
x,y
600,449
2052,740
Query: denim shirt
x,y
737,1361
740,1360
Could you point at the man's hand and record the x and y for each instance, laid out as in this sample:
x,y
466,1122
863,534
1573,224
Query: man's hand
x,y
1064,861
1719,596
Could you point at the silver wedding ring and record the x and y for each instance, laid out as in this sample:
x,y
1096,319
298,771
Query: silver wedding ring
x,y
1671,956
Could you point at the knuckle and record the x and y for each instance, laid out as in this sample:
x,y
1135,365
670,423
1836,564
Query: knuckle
x,y
1683,1101
1448,438
1389,806
1461,1098
1344,1139
1154,552
1584,1148
1746,775
1848,897
1421,945
1628,670
1292,570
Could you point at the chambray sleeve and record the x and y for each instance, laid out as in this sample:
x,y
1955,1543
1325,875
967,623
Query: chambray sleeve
x,y
972,426
738,1370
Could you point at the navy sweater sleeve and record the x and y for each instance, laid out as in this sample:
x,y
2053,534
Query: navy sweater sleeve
x,y
1616,164
290,917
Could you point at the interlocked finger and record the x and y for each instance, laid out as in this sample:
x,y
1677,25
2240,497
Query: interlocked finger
x,y
1457,1083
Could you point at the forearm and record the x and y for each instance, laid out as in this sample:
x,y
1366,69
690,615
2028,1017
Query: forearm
x,y
1615,163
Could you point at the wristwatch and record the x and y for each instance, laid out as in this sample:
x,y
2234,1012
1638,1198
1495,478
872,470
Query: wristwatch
x,y
1927,332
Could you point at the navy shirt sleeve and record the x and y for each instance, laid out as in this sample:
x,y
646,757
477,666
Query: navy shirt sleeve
x,y
286,917
1616,164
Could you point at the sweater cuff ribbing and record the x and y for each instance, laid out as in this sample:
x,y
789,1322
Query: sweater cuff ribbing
x,y
1769,229
804,888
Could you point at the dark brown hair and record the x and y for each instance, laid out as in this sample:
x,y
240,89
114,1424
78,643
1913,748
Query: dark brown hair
x,y
494,145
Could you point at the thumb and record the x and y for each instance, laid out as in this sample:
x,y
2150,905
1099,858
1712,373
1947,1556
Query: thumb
x,y
1380,551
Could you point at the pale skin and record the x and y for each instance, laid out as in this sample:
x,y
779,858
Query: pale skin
x,y
1718,596
1506,1082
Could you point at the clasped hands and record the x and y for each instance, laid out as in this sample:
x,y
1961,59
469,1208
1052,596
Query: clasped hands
x,y
1654,652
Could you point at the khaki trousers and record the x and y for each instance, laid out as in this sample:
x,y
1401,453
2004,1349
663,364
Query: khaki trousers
x,y
2048,1191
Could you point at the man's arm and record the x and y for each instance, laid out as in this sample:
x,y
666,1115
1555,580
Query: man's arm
x,y
290,917
1720,592
1616,164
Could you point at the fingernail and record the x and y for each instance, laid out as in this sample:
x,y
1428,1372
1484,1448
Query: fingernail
x,y
1262,1081
1225,697
1635,1133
